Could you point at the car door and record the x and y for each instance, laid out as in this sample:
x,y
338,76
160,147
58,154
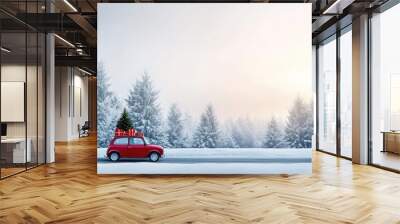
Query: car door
x,y
121,146
136,148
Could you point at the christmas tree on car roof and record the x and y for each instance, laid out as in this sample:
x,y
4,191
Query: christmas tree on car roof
x,y
125,127
124,123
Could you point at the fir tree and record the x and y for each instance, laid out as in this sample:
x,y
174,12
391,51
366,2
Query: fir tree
x,y
243,133
108,107
273,137
299,126
144,110
206,134
124,122
188,128
175,128
226,140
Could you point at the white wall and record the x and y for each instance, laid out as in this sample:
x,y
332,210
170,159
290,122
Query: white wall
x,y
71,94
16,73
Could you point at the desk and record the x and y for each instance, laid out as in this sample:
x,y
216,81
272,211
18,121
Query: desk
x,y
391,141
13,150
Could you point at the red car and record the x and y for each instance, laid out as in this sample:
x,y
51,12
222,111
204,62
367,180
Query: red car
x,y
133,147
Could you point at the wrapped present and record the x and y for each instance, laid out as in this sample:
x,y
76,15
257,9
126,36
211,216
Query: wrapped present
x,y
119,132
139,134
131,132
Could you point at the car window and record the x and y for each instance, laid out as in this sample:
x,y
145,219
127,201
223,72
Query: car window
x,y
121,141
136,141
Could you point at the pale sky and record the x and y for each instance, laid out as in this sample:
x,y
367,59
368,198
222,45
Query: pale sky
x,y
248,60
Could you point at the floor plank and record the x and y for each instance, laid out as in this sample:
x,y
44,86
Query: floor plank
x,y
70,191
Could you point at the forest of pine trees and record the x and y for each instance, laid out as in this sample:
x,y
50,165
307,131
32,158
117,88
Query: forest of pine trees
x,y
143,112
108,109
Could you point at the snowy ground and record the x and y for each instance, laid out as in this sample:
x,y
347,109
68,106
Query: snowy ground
x,y
214,161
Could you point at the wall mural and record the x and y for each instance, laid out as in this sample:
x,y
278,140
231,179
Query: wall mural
x,y
204,89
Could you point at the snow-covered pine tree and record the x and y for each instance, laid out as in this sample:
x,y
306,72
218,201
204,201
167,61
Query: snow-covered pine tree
x,y
243,133
273,136
144,110
124,122
188,128
299,126
226,140
108,109
175,138
207,133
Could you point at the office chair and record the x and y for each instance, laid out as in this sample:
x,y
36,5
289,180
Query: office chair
x,y
84,130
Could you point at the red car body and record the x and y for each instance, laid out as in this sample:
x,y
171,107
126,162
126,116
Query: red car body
x,y
133,147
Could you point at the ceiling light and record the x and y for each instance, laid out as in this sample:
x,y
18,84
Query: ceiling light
x,y
65,41
337,7
70,5
79,51
5,50
84,71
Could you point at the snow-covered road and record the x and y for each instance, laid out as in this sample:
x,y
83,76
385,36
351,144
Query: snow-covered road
x,y
214,161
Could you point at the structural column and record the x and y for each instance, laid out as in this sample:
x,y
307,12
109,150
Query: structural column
x,y
360,89
50,92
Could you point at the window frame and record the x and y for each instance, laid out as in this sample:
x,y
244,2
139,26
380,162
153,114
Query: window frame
x,y
132,138
334,37
379,10
116,140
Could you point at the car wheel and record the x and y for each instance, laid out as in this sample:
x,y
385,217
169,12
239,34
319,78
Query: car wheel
x,y
114,156
154,157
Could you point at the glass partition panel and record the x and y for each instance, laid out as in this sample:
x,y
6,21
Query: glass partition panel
x,y
13,92
22,88
327,96
31,98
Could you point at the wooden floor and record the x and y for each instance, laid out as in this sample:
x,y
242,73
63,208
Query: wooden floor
x,y
387,159
5,172
70,191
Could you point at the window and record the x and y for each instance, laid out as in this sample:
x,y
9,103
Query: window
x,y
385,89
395,102
121,141
136,141
327,95
346,93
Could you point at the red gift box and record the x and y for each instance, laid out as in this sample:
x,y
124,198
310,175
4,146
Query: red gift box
x,y
139,134
130,132
119,132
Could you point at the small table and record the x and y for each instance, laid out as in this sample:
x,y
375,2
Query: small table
x,y
16,153
391,141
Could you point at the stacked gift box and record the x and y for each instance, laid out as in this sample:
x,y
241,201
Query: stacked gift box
x,y
131,132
